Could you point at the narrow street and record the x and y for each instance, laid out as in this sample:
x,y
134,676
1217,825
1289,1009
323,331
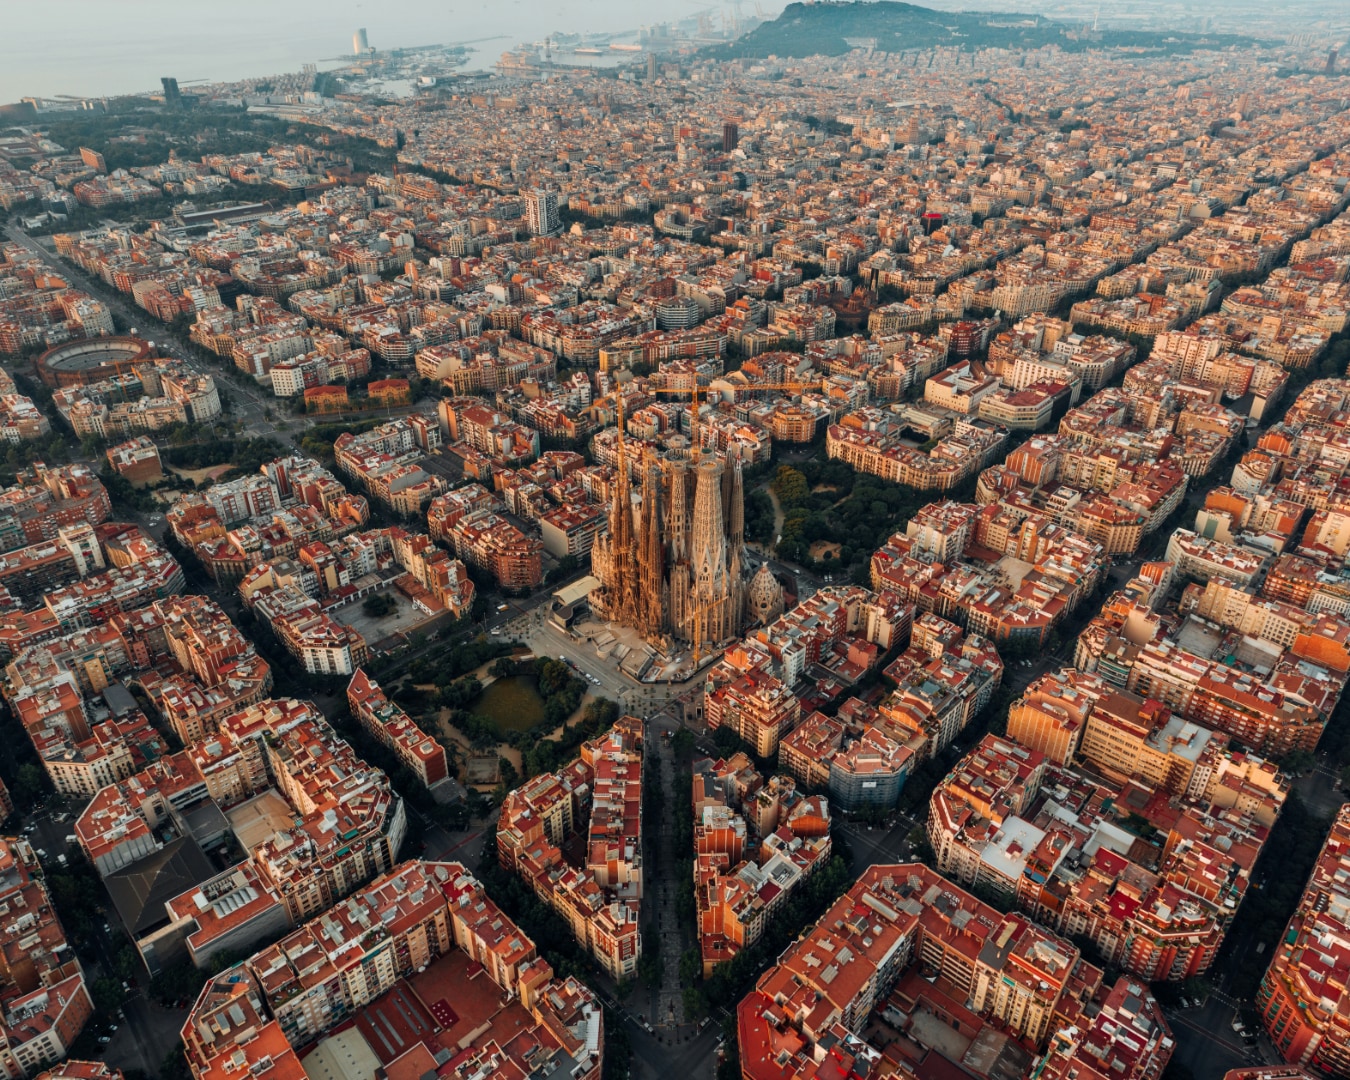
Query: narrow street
x,y
666,1002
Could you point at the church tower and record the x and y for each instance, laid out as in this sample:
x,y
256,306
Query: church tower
x,y
651,551
764,601
678,529
678,566
736,543
623,589
711,591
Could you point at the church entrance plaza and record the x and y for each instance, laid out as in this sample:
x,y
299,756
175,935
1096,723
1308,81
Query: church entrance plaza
x,y
627,649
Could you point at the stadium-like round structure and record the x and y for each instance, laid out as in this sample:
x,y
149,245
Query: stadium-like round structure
x,y
90,360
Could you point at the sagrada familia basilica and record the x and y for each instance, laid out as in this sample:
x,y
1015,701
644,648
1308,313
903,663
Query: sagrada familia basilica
x,y
679,570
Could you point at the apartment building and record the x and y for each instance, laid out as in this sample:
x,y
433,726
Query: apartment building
x,y
601,790
346,826
208,646
877,449
156,394
755,842
1236,702
1030,982
493,544
71,1069
1058,843
853,755
419,753
114,750
385,462
322,644
46,1001
1303,993
757,706
572,529
1203,559
948,562
29,573
1049,716
423,926
137,460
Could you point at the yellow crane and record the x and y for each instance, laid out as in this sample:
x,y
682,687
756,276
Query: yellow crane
x,y
618,405
695,448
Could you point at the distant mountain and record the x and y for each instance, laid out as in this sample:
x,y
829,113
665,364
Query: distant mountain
x,y
831,29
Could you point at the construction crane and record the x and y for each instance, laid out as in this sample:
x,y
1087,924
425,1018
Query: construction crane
x,y
622,450
693,408
694,392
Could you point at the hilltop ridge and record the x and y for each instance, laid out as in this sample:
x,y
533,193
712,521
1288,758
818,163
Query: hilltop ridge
x,y
831,29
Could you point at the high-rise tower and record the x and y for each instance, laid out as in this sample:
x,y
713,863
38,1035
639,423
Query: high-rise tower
x,y
541,211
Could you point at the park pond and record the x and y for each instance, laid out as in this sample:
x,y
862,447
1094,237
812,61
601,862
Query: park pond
x,y
512,703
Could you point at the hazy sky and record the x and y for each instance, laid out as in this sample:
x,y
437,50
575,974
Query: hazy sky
x,y
50,47
92,47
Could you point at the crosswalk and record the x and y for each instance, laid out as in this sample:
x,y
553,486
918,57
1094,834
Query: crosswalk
x,y
1219,1038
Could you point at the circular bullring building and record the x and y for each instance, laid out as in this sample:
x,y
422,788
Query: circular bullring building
x,y
90,360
